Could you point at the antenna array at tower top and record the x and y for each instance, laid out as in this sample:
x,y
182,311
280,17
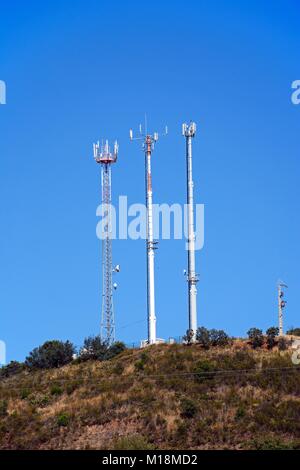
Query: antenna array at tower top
x,y
144,134
102,153
189,130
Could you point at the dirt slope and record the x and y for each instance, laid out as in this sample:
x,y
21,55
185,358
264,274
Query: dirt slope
x,y
164,397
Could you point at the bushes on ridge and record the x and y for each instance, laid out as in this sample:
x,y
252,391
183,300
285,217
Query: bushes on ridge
x,y
271,336
207,338
293,332
97,349
256,337
11,369
50,355
54,354
203,337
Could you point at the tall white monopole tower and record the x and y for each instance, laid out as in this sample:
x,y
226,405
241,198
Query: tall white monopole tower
x,y
189,131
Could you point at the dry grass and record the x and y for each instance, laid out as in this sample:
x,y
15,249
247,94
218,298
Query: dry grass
x,y
107,405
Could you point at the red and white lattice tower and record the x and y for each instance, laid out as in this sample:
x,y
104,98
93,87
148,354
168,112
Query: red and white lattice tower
x,y
105,157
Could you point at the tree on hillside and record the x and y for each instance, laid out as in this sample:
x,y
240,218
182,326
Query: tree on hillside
x,y
293,331
219,338
282,344
256,337
115,349
51,354
203,337
93,348
97,349
271,336
207,338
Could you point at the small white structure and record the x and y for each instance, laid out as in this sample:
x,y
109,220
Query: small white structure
x,y
145,342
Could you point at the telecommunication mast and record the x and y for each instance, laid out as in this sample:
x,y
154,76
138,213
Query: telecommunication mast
x,y
106,158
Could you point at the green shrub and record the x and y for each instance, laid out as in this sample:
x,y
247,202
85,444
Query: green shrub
x,y
56,390
289,417
284,417
39,399
204,370
239,360
271,336
142,361
115,349
72,386
240,412
276,360
181,433
144,357
282,344
256,337
118,369
188,408
133,442
3,408
203,337
219,338
273,443
139,365
63,419
93,348
97,349
207,338
51,354
24,393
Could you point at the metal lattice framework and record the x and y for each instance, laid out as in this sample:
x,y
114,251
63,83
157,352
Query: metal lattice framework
x,y
105,157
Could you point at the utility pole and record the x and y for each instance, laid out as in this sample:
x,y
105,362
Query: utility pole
x,y
281,305
149,141
189,131
106,158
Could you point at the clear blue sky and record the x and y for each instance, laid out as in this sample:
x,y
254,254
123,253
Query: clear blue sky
x,y
78,71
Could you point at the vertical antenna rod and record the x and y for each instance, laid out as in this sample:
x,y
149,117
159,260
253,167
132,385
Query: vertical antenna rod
x,y
281,305
105,157
149,142
188,131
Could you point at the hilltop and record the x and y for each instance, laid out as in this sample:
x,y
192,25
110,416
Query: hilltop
x,y
162,397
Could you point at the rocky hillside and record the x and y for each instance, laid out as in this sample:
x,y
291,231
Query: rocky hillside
x,y
163,397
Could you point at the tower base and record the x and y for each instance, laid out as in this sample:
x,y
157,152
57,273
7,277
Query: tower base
x,y
145,343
